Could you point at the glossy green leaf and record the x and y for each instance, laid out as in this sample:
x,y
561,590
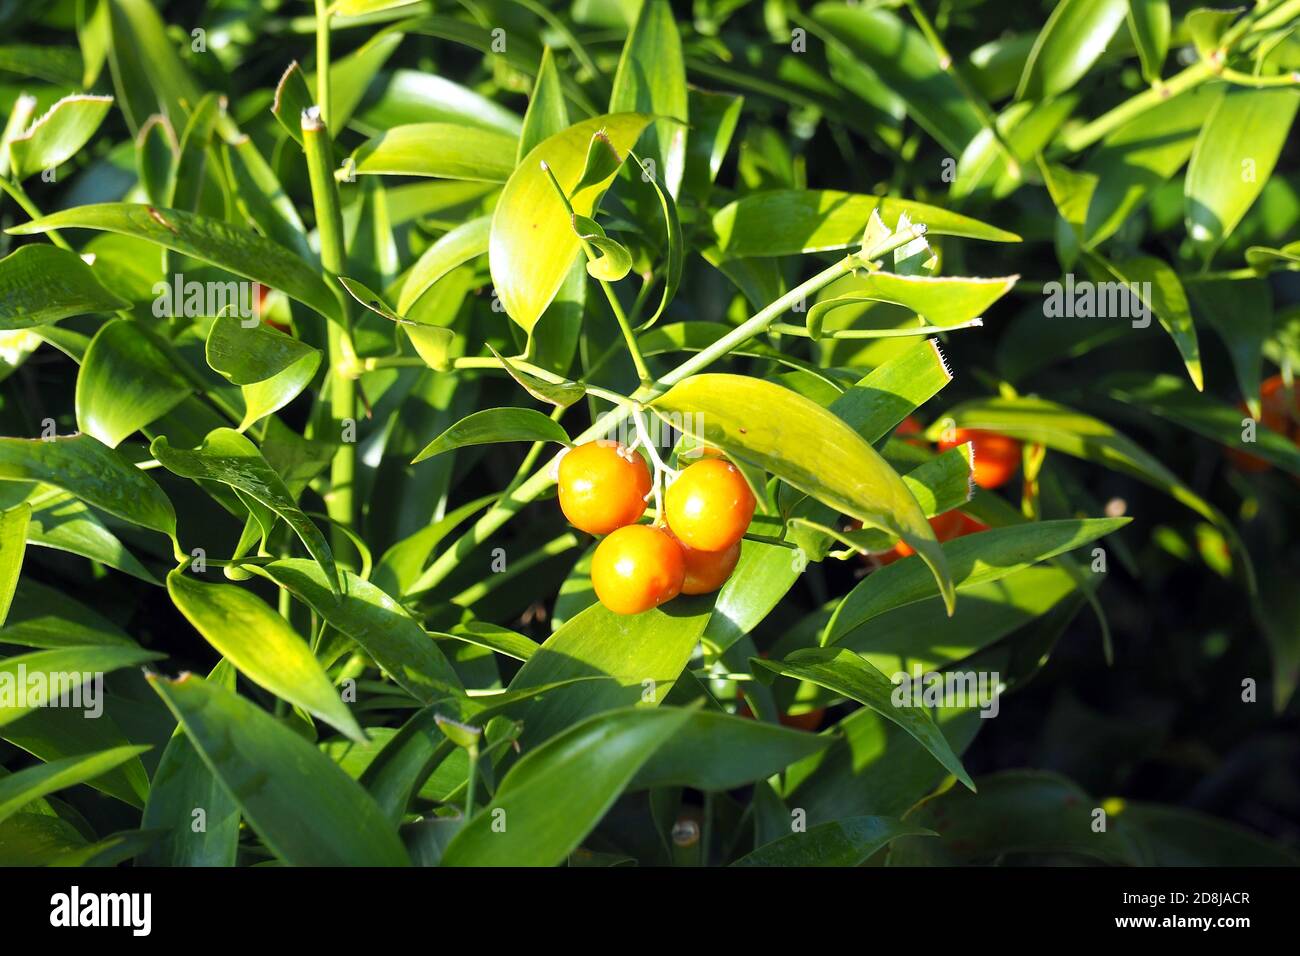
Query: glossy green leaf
x,y
229,247
651,79
155,158
261,645
1241,312
1168,301
808,447
21,788
228,457
532,243
440,150
763,576
848,842
43,283
1149,22
1234,157
614,261
547,113
380,626
182,785
639,657
13,544
270,368
1139,156
788,222
604,752
715,751
58,135
844,672
902,58
126,382
36,679
944,302
496,425
85,467
1075,35
974,559
455,248
305,809
189,173
292,98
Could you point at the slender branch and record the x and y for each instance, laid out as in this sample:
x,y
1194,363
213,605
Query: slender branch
x,y
323,59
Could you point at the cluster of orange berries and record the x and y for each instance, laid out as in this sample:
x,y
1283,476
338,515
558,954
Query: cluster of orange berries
x,y
996,459
603,487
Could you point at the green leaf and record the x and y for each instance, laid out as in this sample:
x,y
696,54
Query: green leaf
x,y
293,97
380,626
452,249
640,657
58,135
1017,811
1175,836
532,242
126,382
786,222
844,672
808,447
496,425
1234,157
1149,22
651,79
1140,155
1241,312
1071,41
270,368
763,575
946,301
148,73
974,559
440,150
848,842
305,809
40,284
715,751
58,65
561,394
1167,300
13,544
98,475
64,668
604,752
1206,26
547,114
219,243
907,64
228,457
261,645
183,784
1169,398
190,170
614,261
41,616
21,788
155,157
494,637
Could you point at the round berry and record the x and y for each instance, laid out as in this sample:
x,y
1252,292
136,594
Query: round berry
x,y
996,456
636,568
706,571
602,486
710,505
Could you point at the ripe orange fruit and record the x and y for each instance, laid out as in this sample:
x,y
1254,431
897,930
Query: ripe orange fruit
x,y
909,426
709,506
602,486
949,525
636,568
706,571
996,456
1273,415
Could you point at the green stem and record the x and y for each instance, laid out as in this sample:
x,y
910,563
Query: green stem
x,y
323,59
1080,139
470,781
343,362
19,195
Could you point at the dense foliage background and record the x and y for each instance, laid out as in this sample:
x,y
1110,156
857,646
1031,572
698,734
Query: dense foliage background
x,y
1112,141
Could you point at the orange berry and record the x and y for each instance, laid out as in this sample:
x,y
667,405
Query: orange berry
x,y
996,456
1273,415
946,527
710,505
636,568
706,571
602,486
